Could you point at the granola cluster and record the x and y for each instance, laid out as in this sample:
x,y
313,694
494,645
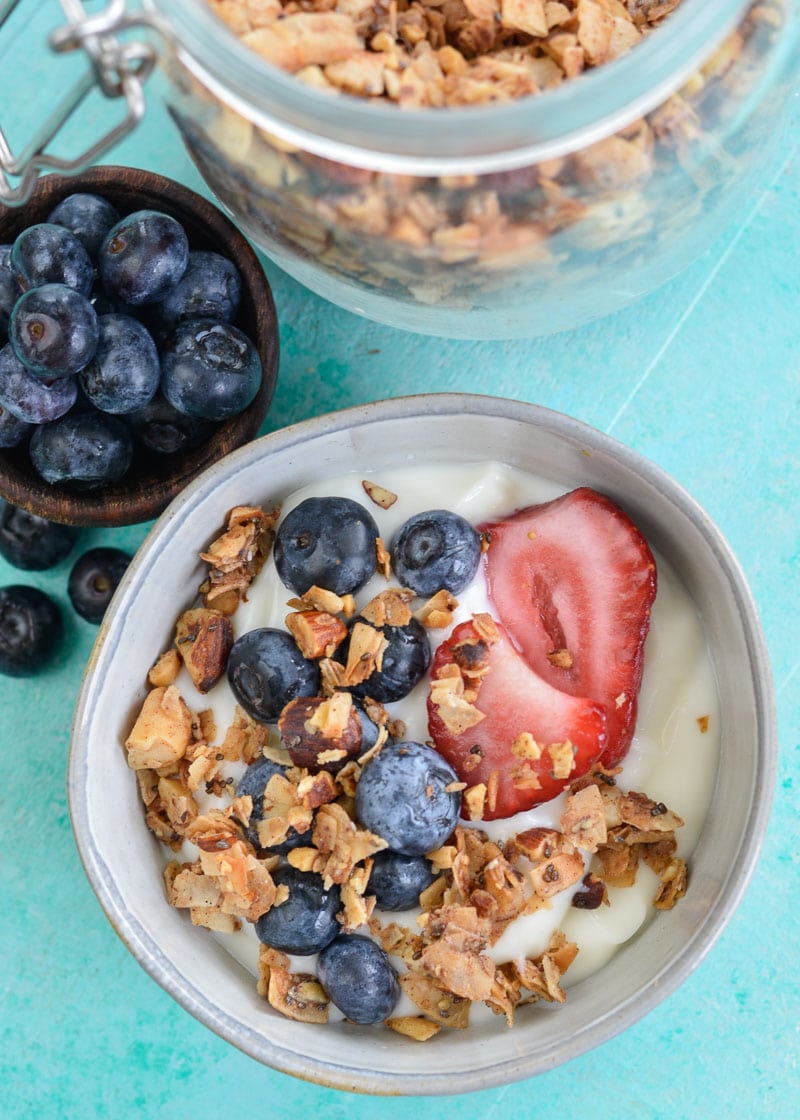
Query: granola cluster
x,y
481,886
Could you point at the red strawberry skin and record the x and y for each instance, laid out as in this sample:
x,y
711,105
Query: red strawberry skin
x,y
576,574
513,699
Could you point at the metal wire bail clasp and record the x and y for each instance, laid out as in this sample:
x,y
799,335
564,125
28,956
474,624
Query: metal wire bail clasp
x,y
119,68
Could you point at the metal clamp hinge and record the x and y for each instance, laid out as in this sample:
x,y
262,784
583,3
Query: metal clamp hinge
x,y
120,69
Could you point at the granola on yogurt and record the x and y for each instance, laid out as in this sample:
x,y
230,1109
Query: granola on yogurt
x,y
223,869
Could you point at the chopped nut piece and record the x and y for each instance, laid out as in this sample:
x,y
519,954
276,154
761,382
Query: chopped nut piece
x,y
165,670
560,658
162,731
414,1026
475,800
702,723
379,494
317,633
383,558
203,639
562,756
438,612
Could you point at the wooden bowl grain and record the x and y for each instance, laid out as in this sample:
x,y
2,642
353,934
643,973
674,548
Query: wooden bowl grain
x,y
152,481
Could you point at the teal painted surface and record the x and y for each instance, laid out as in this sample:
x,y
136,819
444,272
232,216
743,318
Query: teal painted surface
x,y
704,378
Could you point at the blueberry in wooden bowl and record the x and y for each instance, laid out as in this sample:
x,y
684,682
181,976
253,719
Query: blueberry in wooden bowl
x,y
174,285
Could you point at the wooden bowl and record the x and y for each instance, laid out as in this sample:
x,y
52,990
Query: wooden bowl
x,y
152,481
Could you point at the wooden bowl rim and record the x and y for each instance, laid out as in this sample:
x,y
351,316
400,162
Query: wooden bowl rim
x,y
143,496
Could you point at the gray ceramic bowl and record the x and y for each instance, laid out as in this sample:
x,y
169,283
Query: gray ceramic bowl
x,y
122,859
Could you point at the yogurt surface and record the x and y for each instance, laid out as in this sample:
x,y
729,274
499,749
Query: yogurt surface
x,y
671,758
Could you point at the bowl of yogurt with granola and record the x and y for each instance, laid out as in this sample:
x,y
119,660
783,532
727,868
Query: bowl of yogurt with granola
x,y
442,722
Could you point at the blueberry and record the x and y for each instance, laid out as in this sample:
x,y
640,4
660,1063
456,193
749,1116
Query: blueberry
x,y
31,542
125,371
359,978
27,397
88,217
93,580
402,796
84,450
253,784
326,542
435,550
13,431
30,630
210,288
10,289
306,921
163,430
397,880
404,663
54,331
369,728
210,369
266,670
142,257
50,254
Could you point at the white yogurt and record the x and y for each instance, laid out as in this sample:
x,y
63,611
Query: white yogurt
x,y
670,758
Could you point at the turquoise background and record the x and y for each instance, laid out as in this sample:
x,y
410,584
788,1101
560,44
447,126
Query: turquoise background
x,y
704,378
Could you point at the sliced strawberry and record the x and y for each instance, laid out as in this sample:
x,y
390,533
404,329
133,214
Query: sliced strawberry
x,y
499,723
573,582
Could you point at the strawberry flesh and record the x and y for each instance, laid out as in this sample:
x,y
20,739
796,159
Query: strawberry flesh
x,y
513,700
573,582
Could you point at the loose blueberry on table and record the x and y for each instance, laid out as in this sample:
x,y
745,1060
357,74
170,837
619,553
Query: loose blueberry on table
x,y
31,542
30,630
93,580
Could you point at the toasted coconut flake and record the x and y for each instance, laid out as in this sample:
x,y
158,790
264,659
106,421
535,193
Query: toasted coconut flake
x,y
365,653
389,608
442,1006
448,698
525,746
583,820
673,885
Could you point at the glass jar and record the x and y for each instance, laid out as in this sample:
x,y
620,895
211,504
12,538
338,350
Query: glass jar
x,y
500,220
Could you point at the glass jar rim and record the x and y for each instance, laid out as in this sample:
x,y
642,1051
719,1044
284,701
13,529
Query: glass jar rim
x,y
450,141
